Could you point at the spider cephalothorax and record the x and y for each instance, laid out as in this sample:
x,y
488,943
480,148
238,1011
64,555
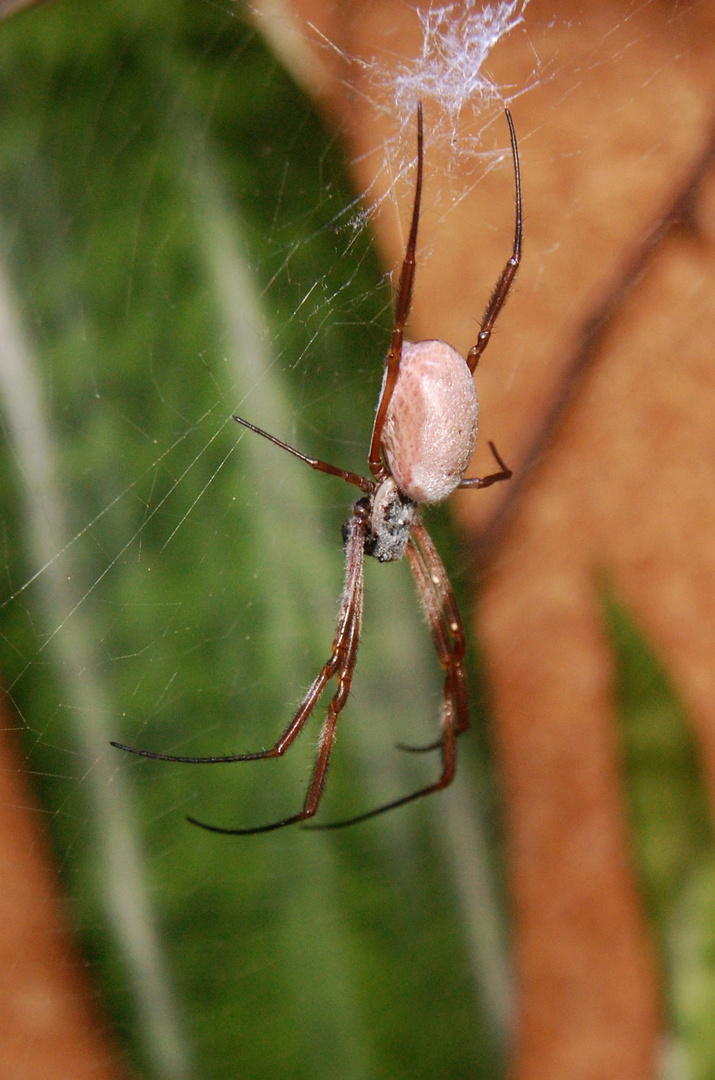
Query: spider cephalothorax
x,y
423,438
390,515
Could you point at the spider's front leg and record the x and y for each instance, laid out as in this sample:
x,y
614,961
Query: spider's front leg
x,y
341,664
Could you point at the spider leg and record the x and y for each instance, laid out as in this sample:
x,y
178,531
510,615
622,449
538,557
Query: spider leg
x,y
402,310
279,748
493,478
438,600
503,285
341,663
474,482
291,732
315,463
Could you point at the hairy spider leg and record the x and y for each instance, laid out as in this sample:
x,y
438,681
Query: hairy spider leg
x,y
440,606
503,285
343,659
402,309
445,587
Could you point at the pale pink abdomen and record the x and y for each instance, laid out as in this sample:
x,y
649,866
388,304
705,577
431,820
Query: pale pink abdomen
x,y
431,426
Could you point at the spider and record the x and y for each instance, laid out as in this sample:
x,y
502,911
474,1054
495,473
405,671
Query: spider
x,y
423,439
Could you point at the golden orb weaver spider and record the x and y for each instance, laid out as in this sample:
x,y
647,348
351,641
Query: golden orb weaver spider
x,y
423,439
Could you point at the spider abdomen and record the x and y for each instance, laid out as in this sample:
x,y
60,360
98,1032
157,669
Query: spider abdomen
x,y
430,429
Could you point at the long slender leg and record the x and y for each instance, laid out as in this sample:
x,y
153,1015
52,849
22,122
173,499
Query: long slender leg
x,y
342,662
493,478
440,604
503,285
315,463
402,310
351,601
288,736
438,600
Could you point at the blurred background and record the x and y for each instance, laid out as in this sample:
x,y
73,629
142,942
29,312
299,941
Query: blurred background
x,y
180,241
